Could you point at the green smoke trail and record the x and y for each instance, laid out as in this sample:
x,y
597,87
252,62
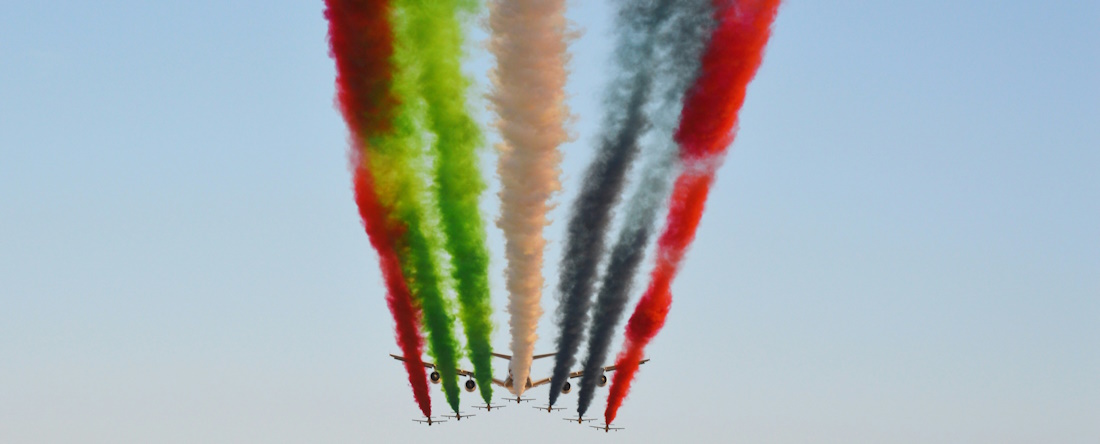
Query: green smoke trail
x,y
432,31
399,165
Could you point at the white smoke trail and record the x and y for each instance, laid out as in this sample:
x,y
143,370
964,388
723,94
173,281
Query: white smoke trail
x,y
529,42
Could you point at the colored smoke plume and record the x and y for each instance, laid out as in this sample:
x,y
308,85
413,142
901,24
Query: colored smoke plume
x,y
625,121
361,43
709,118
529,42
398,297
435,39
680,41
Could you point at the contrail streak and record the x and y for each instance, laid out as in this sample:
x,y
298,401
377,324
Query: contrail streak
x,y
361,43
624,124
435,41
680,43
709,117
529,42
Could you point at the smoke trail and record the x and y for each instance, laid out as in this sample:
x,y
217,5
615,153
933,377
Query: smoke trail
x,y
398,297
398,163
623,125
361,42
419,262
711,107
436,37
679,45
529,42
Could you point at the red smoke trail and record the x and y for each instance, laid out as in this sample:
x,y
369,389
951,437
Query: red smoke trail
x,y
361,42
398,297
706,130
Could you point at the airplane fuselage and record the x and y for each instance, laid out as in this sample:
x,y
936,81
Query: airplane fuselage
x,y
508,382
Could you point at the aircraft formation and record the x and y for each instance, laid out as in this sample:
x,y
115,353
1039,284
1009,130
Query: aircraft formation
x,y
680,72
509,384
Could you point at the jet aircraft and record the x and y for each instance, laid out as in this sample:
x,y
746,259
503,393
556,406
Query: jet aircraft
x,y
549,408
579,419
489,407
607,428
470,385
458,416
429,421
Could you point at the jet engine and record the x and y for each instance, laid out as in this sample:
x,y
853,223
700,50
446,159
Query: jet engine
x,y
566,388
603,381
471,385
436,379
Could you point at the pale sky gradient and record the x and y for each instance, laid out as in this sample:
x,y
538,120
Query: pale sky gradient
x,y
903,245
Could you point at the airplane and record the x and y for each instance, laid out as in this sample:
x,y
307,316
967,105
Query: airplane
x,y
508,383
579,419
458,416
607,428
549,408
489,407
429,421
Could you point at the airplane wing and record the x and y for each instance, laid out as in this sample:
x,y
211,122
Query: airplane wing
x,y
402,359
508,357
540,382
575,374
611,368
498,382
607,369
427,364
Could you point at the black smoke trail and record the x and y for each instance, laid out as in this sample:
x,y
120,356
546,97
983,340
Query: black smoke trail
x,y
680,45
624,124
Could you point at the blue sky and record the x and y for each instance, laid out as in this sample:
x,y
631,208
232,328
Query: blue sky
x,y
902,246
